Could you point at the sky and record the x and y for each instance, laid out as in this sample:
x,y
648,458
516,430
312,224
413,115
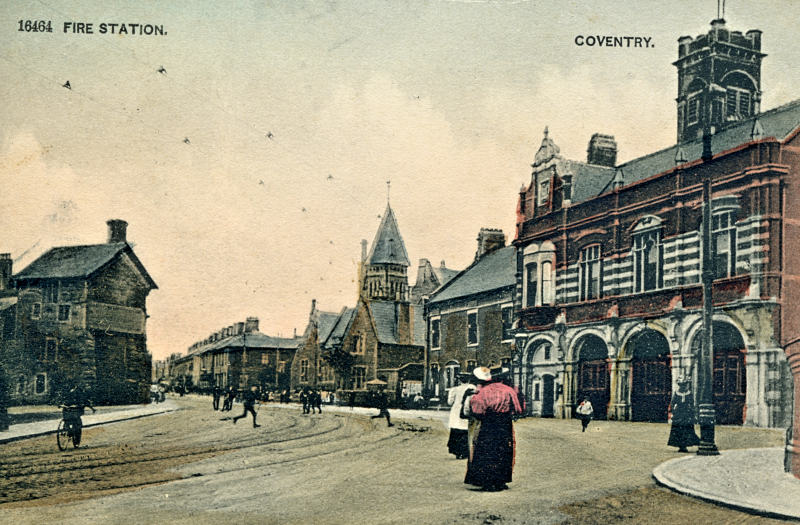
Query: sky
x,y
297,113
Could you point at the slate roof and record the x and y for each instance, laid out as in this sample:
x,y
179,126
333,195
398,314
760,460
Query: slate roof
x,y
491,272
78,261
388,246
444,274
326,321
383,313
339,328
251,340
778,123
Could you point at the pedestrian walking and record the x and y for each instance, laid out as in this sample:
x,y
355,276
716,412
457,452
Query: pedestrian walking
x,y
316,401
491,460
215,395
381,402
304,395
458,422
681,432
230,395
249,399
585,412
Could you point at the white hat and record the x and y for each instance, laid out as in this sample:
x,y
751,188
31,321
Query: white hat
x,y
482,373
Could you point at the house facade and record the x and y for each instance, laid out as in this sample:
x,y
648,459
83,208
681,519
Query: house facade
x,y
79,318
469,319
608,293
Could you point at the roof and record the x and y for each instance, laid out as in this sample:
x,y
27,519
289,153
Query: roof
x,y
388,246
250,340
7,302
778,123
78,261
491,272
326,321
339,328
384,315
444,274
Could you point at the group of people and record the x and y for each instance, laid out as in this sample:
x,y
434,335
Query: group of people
x,y
227,396
311,399
482,412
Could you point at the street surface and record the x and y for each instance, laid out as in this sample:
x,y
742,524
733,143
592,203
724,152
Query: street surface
x,y
194,466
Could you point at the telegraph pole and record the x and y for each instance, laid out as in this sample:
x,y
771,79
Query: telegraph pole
x,y
705,362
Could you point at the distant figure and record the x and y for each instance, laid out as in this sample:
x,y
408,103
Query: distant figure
x,y
230,395
491,461
216,394
352,400
249,405
74,403
459,422
4,401
381,402
681,433
585,412
316,401
304,395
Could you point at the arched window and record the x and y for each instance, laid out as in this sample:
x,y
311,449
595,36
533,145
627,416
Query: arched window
x,y
539,275
723,238
648,255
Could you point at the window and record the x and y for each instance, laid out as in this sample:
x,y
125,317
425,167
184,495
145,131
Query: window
x,y
536,392
435,326
264,359
21,384
507,314
63,312
738,103
358,344
693,109
547,282
450,374
36,311
544,192
50,350
435,378
648,256
281,367
547,352
359,377
304,370
472,328
723,244
590,273
41,383
531,285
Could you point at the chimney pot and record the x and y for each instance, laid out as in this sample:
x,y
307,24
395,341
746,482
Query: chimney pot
x,y
602,150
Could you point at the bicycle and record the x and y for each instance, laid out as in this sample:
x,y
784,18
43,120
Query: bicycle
x,y
70,427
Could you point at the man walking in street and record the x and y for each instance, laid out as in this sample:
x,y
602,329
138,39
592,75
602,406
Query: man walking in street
x,y
585,412
492,454
216,393
381,402
249,399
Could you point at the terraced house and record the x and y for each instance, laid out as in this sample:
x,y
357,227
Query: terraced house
x,y
608,293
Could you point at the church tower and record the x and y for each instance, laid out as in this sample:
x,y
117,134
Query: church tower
x,y
385,269
719,79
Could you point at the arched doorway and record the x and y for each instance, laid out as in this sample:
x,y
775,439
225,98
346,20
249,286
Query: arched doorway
x,y
548,396
651,377
729,373
593,376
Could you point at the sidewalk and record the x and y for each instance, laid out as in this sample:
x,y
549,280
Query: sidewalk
x,y
750,479
49,426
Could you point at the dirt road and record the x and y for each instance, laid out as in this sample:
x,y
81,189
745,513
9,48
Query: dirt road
x,y
194,466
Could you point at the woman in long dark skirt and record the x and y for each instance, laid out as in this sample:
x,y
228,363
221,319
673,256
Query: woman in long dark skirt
x,y
681,433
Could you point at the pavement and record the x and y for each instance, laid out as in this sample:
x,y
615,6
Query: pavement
x,y
752,480
104,417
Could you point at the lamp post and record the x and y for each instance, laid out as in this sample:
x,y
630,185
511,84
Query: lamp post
x,y
705,364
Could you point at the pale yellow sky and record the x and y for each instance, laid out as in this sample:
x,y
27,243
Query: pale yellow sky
x,y
447,100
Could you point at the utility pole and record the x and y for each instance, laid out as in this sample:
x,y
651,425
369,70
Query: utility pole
x,y
705,362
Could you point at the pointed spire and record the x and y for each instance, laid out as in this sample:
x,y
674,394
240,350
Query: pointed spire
x,y
757,133
547,150
388,246
619,179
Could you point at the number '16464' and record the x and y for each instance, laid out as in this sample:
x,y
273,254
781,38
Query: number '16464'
x,y
36,26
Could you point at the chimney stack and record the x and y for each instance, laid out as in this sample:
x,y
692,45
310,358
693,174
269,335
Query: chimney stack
x,y
117,231
251,325
489,240
5,271
602,150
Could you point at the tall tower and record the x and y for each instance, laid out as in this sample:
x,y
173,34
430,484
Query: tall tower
x,y
719,79
386,267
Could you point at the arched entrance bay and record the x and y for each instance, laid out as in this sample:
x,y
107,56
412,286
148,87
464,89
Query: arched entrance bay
x,y
729,373
593,375
651,377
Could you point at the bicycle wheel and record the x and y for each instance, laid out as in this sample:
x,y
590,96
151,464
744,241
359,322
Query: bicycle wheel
x,y
62,435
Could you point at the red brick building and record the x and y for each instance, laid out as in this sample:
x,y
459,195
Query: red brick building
x,y
608,298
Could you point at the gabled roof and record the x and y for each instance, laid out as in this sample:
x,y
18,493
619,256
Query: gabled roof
x,y
444,274
326,321
491,272
388,246
249,340
339,328
778,123
385,318
79,262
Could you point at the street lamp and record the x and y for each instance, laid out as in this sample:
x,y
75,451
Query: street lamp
x,y
705,393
